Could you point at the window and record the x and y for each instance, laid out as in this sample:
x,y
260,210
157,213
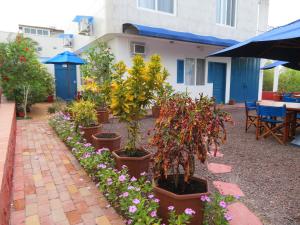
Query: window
x,y
226,12
33,31
191,71
27,30
40,32
166,6
45,32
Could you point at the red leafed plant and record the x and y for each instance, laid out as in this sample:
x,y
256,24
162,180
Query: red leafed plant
x,y
186,129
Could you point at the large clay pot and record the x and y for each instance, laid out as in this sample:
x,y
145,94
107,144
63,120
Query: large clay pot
x,y
89,131
155,111
181,202
103,116
112,141
277,97
50,98
136,165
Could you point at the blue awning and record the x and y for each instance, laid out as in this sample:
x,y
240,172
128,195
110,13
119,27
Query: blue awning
x,y
79,18
273,65
65,58
294,66
176,35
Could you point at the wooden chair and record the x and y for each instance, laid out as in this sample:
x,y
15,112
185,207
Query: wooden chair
x,y
275,122
251,115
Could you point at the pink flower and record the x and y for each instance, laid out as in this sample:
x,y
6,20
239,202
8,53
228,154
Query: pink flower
x,y
205,198
156,200
109,181
150,196
102,166
136,201
87,145
171,208
122,178
132,209
125,194
129,221
124,166
133,179
143,174
227,216
130,187
189,211
153,213
223,204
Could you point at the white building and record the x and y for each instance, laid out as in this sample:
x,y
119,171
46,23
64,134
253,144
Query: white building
x,y
183,32
157,27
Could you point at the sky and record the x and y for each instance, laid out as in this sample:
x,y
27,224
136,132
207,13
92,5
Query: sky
x,y
59,13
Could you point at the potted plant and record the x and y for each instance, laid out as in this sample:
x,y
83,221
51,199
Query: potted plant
x,y
186,129
98,71
130,95
163,91
112,141
85,118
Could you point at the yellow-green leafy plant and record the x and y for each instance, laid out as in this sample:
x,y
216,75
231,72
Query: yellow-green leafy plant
x,y
131,94
84,113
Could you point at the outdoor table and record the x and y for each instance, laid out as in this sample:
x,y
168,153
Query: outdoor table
x,y
297,96
291,107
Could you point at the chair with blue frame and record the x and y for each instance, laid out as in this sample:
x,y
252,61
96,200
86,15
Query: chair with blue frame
x,y
275,122
289,99
251,115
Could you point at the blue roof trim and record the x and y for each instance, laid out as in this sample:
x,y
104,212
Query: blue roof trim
x,y
79,18
66,36
179,36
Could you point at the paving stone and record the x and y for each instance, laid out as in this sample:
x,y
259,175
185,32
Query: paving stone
x,y
241,215
228,188
102,221
219,168
50,187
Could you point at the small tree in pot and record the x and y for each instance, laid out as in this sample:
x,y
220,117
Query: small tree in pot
x,y
130,96
85,118
186,129
99,67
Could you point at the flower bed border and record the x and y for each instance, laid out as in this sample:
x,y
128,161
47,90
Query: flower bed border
x,y
132,198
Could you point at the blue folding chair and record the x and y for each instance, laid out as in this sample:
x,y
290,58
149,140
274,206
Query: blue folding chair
x,y
289,99
273,120
251,115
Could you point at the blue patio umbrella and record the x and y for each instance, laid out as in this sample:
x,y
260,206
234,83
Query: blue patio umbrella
x,y
281,43
66,58
294,66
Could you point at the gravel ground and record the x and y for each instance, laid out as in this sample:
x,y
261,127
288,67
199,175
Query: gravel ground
x,y
268,173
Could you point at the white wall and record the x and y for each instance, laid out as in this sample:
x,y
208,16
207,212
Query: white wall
x,y
169,53
195,16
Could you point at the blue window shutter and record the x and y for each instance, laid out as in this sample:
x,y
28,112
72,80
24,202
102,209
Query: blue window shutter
x,y
180,71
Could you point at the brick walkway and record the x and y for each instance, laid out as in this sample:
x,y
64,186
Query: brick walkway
x,y
49,185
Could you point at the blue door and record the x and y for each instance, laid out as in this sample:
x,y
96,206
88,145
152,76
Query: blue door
x,y
65,81
244,79
217,76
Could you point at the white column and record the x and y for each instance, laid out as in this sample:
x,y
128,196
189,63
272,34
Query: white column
x,y
261,79
276,78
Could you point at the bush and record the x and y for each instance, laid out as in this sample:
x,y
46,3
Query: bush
x,y
22,77
84,113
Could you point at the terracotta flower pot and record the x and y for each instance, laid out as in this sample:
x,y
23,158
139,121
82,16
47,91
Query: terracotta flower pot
x,y
103,116
50,98
277,97
181,202
89,131
112,141
231,102
21,114
155,111
136,165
